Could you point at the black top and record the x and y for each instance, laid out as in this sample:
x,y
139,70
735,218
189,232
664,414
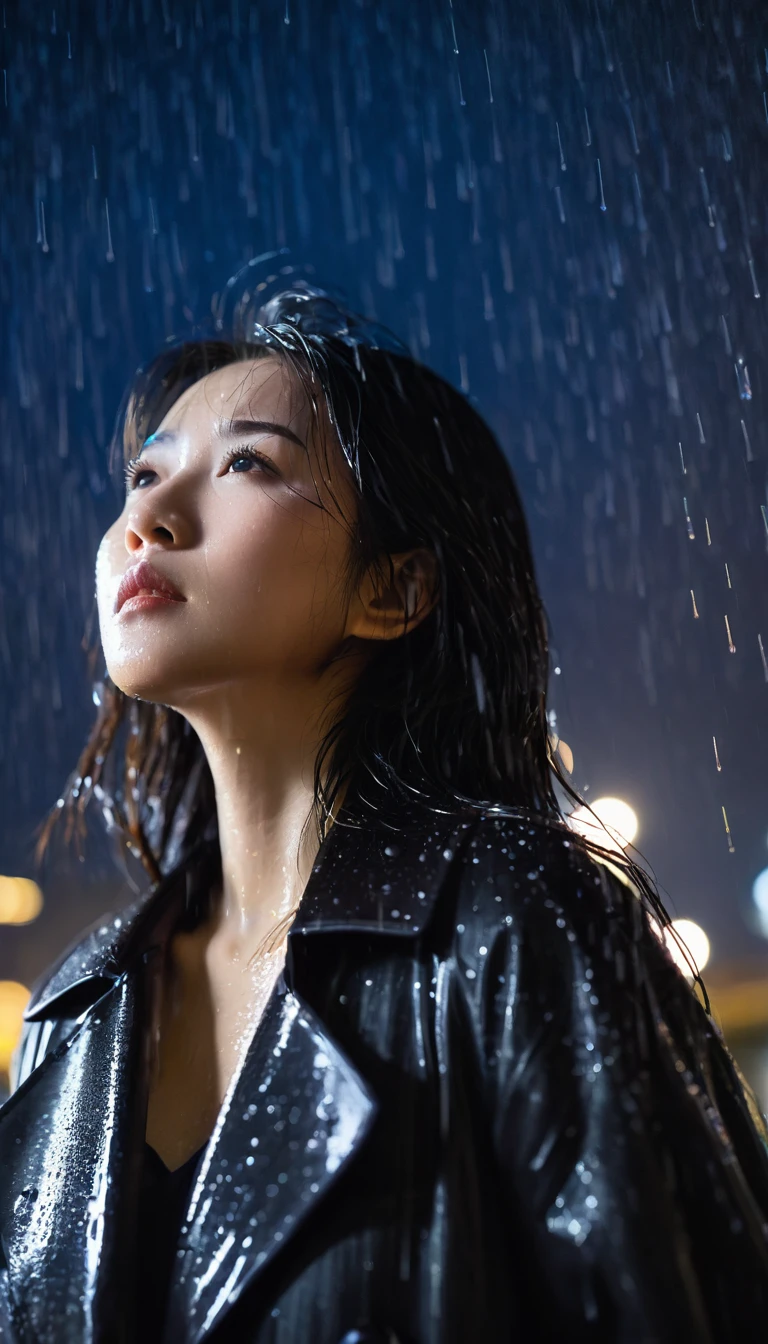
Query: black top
x,y
162,1204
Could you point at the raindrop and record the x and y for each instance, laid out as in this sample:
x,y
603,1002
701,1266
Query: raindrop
x,y
717,758
110,254
731,645
742,378
642,222
731,847
603,206
490,87
688,523
560,147
43,237
453,30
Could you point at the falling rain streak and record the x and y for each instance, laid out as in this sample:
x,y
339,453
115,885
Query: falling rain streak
x,y
688,523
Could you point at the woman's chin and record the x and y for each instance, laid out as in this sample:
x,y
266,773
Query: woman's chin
x,y
146,684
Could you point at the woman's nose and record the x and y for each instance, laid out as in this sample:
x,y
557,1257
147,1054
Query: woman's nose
x,y
158,520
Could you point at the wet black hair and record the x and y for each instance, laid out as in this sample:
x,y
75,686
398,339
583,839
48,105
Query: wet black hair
x,y
450,716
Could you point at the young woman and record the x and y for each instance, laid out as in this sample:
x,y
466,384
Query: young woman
x,y
421,1072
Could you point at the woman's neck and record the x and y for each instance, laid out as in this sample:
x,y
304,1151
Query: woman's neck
x,y
262,762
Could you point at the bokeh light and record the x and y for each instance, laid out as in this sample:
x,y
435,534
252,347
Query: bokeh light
x,y
694,938
13,1001
760,900
611,823
566,755
21,900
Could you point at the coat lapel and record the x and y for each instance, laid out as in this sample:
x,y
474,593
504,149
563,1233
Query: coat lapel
x,y
295,1114
71,1138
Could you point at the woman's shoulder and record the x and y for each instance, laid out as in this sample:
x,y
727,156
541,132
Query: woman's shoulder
x,y
67,987
540,917
92,954
532,892
519,864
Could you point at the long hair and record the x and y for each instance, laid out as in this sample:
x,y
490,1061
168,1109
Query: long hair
x,y
450,715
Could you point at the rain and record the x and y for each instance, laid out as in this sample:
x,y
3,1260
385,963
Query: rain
x,y
561,208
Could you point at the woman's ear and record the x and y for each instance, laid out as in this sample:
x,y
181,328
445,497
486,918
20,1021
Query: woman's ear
x,y
392,602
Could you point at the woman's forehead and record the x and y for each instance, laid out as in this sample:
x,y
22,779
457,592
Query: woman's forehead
x,y
247,387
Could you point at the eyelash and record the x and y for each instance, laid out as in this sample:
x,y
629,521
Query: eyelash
x,y
134,467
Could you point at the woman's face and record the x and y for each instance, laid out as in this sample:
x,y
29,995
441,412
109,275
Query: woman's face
x,y
254,544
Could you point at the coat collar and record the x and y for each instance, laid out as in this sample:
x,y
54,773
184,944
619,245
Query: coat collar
x,y
373,877
294,1090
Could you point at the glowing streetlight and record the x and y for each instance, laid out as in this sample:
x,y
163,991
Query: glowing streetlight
x,y
619,823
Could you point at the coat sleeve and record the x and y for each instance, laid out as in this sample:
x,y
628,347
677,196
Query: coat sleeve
x,y
632,1157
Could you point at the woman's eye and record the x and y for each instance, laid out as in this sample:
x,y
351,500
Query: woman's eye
x,y
133,474
243,459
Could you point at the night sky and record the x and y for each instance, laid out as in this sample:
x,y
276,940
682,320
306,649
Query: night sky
x,y
561,207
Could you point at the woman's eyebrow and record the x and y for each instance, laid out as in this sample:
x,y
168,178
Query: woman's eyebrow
x,y
236,428
226,429
155,441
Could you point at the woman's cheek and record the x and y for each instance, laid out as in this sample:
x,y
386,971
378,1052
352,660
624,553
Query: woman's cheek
x,y
107,576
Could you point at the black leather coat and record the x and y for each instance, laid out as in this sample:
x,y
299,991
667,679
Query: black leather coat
x,y
482,1106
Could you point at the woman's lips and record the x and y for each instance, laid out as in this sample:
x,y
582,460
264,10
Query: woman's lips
x,y
146,601
143,587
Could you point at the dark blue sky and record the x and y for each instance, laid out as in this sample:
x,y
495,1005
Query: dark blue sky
x,y
447,166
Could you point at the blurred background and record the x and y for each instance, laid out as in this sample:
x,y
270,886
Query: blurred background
x,y
562,208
